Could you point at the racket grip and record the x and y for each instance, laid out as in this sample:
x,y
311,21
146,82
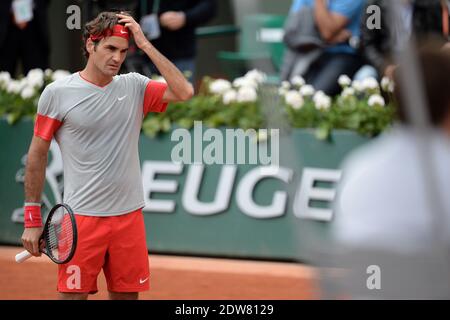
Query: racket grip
x,y
24,255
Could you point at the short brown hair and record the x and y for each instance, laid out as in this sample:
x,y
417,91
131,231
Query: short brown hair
x,y
434,67
104,21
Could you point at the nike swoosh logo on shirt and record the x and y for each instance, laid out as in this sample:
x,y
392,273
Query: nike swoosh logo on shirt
x,y
143,281
121,98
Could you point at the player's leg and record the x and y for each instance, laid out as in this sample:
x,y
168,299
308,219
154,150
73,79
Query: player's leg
x,y
123,295
126,265
78,277
72,296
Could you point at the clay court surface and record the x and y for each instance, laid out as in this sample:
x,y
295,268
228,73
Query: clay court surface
x,y
172,277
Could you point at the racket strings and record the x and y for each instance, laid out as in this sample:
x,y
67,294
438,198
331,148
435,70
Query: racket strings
x,y
59,236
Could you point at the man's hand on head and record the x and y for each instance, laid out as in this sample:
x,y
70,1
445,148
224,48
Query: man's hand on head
x,y
134,27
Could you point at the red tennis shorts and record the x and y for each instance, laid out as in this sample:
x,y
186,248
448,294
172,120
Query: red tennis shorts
x,y
118,245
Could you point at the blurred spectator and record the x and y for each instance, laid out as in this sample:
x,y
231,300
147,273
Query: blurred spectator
x,y
338,24
176,21
387,210
423,17
91,8
24,35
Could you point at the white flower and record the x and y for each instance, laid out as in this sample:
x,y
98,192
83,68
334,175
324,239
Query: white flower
x,y
344,80
5,78
357,85
27,92
262,135
246,94
229,96
282,91
376,100
285,85
60,74
307,90
48,72
35,78
323,103
387,84
321,100
298,81
159,79
348,92
245,82
391,87
35,73
219,86
23,83
256,76
14,86
318,95
369,83
294,99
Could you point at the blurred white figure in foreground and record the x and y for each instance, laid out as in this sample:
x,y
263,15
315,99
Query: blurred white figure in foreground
x,y
385,225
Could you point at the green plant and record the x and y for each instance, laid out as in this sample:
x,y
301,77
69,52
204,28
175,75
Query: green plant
x,y
19,97
360,106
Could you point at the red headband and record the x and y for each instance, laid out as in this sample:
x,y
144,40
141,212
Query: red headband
x,y
117,31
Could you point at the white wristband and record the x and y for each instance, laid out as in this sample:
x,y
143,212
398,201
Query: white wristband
x,y
32,204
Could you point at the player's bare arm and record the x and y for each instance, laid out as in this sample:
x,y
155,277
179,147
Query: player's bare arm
x,y
330,24
179,89
34,185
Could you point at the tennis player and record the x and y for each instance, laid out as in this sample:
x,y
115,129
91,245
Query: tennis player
x,y
95,116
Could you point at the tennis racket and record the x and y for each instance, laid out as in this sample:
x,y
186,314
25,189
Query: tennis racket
x,y
59,236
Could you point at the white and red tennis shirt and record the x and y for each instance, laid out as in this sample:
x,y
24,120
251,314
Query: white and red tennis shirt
x,y
97,130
